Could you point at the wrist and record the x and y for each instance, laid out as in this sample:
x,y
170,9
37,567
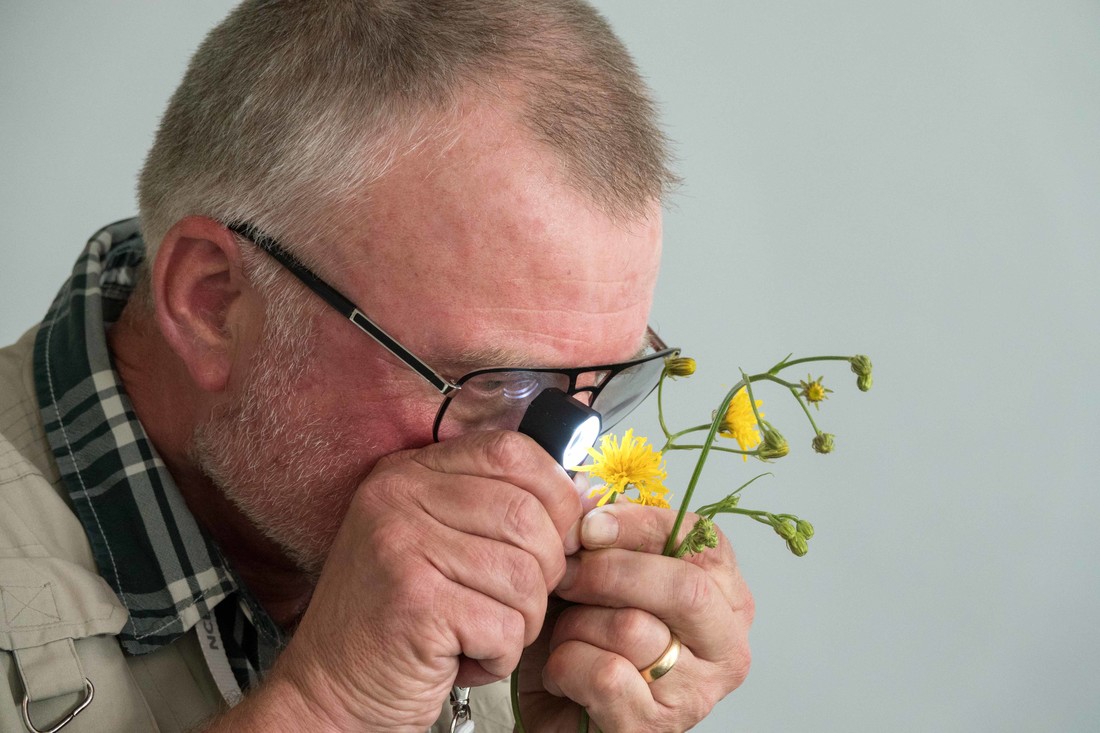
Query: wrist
x,y
280,704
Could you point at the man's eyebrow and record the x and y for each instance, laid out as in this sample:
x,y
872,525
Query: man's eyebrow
x,y
494,356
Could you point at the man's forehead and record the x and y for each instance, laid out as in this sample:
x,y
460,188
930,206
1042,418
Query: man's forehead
x,y
483,255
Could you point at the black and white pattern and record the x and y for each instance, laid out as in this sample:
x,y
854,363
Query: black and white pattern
x,y
147,545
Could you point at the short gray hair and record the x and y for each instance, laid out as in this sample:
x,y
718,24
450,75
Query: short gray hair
x,y
290,108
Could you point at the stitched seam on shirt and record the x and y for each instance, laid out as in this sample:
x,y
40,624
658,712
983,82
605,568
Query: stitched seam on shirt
x,y
76,466
10,479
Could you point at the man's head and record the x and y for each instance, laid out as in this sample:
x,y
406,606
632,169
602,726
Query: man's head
x,y
289,111
482,178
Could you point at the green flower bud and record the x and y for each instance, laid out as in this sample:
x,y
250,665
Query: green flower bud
x,y
786,529
681,366
773,445
823,442
805,528
798,545
701,536
861,366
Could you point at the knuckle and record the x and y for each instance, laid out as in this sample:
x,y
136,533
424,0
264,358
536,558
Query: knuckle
x,y
744,666
525,575
748,607
698,706
730,673
391,542
629,627
698,593
393,464
741,661
512,628
505,629
609,677
388,488
506,450
522,514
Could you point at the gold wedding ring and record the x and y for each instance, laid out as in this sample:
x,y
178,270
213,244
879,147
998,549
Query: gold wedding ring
x,y
664,663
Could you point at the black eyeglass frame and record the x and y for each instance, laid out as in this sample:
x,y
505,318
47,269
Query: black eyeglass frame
x,y
445,387
661,351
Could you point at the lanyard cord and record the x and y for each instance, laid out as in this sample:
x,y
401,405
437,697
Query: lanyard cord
x,y
213,650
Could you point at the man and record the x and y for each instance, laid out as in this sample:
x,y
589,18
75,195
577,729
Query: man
x,y
228,508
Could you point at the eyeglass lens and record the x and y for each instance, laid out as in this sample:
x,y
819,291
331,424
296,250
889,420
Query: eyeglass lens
x,y
497,400
626,390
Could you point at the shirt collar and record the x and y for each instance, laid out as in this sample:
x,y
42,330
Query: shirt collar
x,y
147,545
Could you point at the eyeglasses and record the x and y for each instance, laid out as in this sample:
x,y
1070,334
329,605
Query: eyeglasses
x,y
495,398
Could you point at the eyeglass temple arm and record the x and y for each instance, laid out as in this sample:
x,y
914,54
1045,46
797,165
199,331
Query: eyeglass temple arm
x,y
658,343
341,303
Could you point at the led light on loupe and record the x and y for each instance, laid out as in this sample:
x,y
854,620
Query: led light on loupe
x,y
565,427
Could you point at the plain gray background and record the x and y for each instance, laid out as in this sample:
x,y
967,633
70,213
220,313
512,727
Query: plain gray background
x,y
915,181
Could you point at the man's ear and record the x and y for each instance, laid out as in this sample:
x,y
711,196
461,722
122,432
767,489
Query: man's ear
x,y
199,293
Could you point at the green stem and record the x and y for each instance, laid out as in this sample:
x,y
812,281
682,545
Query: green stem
x,y
661,406
713,447
670,543
709,510
773,378
513,686
752,513
752,400
673,436
804,360
583,727
806,409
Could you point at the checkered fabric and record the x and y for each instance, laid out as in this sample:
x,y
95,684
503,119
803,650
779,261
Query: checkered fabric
x,y
146,543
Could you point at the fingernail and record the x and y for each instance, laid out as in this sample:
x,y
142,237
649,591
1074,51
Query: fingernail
x,y
571,565
572,540
599,528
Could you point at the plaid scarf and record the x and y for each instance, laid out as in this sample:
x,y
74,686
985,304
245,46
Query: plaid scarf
x,y
147,545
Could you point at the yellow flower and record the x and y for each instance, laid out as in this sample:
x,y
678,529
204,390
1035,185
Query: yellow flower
x,y
739,422
813,390
652,495
631,463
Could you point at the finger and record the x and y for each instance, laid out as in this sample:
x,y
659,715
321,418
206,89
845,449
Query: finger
x,y
500,511
617,696
632,633
514,458
498,570
679,593
489,635
607,685
646,529
631,527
